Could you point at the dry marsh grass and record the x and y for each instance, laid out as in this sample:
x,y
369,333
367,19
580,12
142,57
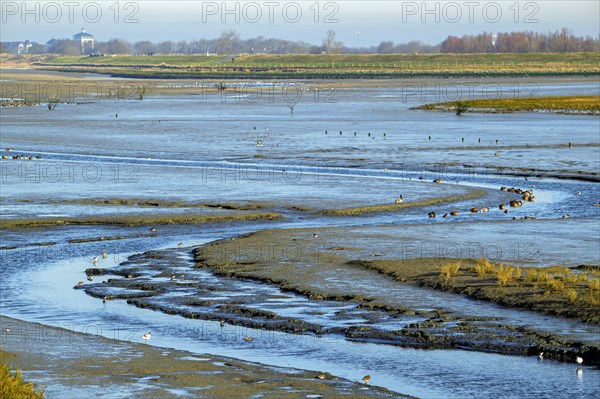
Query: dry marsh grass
x,y
449,269
12,386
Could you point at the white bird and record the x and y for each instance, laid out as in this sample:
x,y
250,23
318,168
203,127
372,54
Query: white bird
x,y
399,200
95,259
541,356
579,360
146,337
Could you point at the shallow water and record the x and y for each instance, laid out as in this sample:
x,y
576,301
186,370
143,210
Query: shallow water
x,y
182,148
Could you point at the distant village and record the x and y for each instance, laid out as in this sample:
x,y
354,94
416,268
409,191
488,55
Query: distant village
x,y
83,40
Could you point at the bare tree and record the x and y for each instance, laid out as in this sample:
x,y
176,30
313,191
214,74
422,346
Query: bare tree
x,y
386,47
228,42
166,47
331,45
65,46
115,46
144,47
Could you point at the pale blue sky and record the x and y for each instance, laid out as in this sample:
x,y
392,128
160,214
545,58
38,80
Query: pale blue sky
x,y
399,21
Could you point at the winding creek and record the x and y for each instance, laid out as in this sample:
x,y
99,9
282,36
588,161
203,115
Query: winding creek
x,y
301,173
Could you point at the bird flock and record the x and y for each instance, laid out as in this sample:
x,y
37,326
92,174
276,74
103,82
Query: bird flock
x,y
526,196
20,156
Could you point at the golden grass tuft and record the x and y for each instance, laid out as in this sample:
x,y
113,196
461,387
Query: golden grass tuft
x,y
449,269
13,386
507,274
572,295
484,267
594,284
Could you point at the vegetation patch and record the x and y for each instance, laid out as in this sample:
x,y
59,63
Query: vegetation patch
x,y
12,385
354,211
587,105
135,220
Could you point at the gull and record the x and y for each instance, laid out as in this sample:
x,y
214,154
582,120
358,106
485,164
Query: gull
x,y
95,259
579,360
146,337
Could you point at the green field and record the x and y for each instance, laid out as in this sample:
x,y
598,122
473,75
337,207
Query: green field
x,y
314,66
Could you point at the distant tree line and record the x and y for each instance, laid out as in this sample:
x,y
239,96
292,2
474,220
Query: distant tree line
x,y
562,41
230,42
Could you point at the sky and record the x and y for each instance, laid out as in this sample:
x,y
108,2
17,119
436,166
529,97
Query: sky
x,y
363,23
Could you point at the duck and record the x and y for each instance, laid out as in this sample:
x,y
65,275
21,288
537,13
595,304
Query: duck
x,y
248,338
502,207
431,214
454,213
399,200
104,254
146,337
474,210
366,379
180,245
484,209
438,181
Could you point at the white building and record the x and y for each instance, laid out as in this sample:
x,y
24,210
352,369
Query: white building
x,y
86,41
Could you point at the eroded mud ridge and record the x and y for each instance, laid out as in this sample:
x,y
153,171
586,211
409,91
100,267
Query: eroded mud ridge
x,y
171,281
